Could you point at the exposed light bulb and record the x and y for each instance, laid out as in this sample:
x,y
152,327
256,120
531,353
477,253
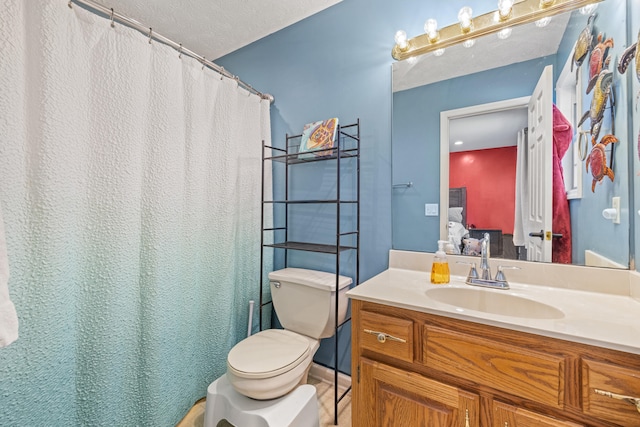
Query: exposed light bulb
x,y
543,22
588,9
546,3
401,39
412,60
431,28
438,52
465,18
468,43
504,8
504,33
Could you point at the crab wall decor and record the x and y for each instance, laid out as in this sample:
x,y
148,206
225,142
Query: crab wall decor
x,y
584,43
599,100
598,160
597,59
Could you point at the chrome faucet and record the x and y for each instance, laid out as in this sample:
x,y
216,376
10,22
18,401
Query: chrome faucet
x,y
485,255
484,278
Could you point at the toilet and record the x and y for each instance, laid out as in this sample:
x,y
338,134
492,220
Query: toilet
x,y
269,369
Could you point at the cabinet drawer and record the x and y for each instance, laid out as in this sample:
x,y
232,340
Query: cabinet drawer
x,y
387,335
511,416
597,378
521,372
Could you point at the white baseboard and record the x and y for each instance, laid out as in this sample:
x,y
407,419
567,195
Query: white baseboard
x,y
327,375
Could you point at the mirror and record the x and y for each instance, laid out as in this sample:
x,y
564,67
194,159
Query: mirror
x,y
432,93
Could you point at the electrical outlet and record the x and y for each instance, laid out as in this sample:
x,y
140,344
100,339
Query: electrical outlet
x,y
431,209
615,204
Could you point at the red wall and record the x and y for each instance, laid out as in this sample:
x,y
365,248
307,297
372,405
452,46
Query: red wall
x,y
490,178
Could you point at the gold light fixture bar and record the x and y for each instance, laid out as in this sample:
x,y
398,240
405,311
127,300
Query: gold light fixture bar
x,y
522,12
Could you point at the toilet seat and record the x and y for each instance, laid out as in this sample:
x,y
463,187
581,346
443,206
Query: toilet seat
x,y
267,354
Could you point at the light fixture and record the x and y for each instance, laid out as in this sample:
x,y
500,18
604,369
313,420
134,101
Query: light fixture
x,y
588,9
401,40
504,33
543,22
504,9
510,13
468,43
431,29
465,18
438,52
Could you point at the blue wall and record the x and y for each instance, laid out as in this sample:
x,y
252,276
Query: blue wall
x,y
337,63
416,141
416,144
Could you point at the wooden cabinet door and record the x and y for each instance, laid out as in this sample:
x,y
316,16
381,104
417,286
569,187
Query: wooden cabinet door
x,y
505,415
387,396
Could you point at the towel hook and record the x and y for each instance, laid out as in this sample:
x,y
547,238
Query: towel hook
x,y
150,34
113,24
582,152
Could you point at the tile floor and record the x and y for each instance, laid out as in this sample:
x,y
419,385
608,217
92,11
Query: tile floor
x,y
195,416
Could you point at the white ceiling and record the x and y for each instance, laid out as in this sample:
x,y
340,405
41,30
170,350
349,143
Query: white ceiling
x,y
214,28
488,130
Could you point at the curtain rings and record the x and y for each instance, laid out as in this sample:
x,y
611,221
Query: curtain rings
x,y
180,52
221,73
70,4
113,24
150,34
203,61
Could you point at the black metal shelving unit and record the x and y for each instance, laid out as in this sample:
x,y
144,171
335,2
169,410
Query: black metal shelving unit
x,y
347,149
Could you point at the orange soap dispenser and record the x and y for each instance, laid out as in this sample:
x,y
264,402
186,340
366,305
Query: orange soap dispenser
x,y
440,267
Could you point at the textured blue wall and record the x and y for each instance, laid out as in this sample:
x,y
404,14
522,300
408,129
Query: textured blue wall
x,y
334,64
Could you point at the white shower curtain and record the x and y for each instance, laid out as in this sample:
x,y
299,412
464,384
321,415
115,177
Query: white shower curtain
x,y
130,185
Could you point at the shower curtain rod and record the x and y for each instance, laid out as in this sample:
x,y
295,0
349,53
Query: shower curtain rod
x,y
114,16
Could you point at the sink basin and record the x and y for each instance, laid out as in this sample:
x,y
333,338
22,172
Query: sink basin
x,y
494,302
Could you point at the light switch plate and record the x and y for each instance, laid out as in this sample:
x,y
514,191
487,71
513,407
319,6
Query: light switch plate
x,y
431,209
615,204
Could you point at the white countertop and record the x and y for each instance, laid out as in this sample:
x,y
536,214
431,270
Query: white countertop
x,y
600,319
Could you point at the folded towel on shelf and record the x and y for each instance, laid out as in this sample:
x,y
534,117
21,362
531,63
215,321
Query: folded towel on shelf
x,y
8,316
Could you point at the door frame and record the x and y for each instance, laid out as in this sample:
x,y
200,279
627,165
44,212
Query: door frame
x,y
445,117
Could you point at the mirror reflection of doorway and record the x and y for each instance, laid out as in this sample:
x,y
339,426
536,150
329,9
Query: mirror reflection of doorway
x,y
501,183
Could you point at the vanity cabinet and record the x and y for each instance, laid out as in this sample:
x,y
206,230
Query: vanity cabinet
x,y
397,397
411,368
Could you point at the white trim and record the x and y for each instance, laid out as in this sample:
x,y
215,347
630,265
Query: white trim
x,y
325,374
569,101
445,116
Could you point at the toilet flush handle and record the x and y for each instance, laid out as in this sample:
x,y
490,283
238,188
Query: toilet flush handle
x,y
276,284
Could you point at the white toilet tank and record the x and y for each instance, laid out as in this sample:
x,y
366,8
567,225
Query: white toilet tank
x,y
304,300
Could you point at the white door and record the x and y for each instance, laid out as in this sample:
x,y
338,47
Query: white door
x,y
538,232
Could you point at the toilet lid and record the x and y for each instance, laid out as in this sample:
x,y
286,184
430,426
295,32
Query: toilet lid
x,y
267,354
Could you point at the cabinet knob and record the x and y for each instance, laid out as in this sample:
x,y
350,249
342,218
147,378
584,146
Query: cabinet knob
x,y
383,337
